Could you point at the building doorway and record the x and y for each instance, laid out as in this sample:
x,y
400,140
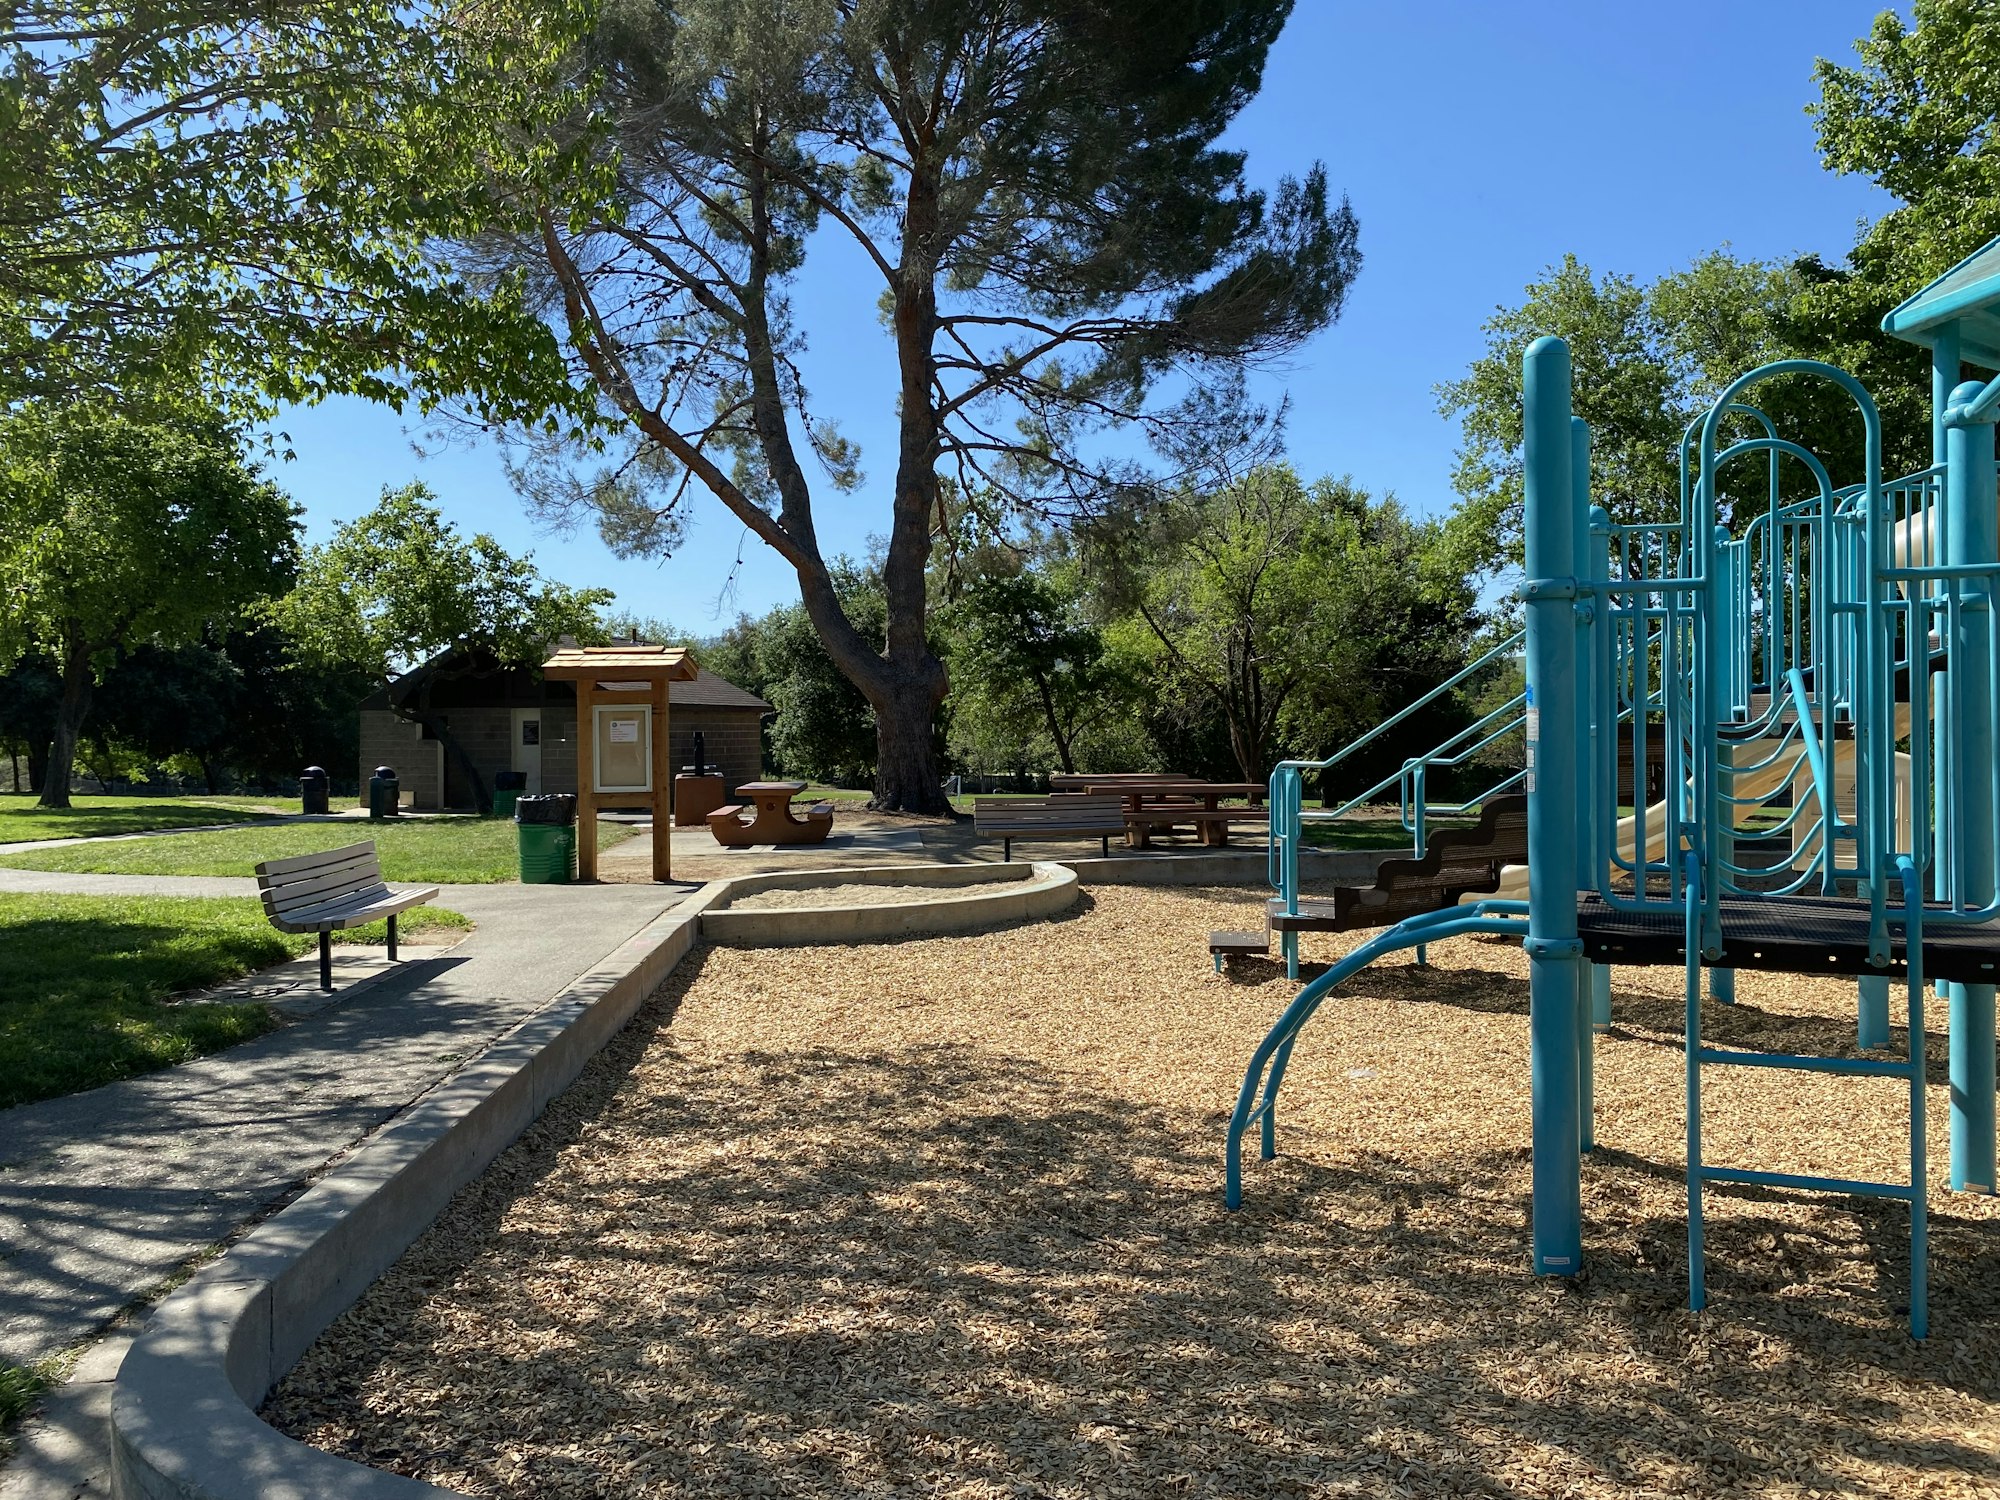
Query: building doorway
x,y
528,747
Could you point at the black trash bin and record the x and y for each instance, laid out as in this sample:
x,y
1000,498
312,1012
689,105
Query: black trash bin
x,y
314,790
545,834
383,793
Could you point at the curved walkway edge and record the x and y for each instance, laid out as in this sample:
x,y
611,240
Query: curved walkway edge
x,y
183,1417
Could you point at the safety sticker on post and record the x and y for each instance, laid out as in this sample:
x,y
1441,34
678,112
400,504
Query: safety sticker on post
x,y
1534,734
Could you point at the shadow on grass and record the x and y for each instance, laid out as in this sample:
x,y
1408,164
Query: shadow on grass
x,y
826,1272
85,986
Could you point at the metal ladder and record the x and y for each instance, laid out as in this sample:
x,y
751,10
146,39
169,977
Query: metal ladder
x,y
1910,1068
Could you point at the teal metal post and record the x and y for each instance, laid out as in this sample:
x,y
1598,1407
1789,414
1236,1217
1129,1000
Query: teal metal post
x,y
1945,366
1555,978
1722,982
1973,526
1590,806
1872,1005
1604,750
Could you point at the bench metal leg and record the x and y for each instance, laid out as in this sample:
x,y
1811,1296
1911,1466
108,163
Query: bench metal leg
x,y
326,961
1006,851
392,937
1104,845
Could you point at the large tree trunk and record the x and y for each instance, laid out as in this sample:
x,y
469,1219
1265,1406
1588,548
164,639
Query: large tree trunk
x,y
1054,720
76,690
906,763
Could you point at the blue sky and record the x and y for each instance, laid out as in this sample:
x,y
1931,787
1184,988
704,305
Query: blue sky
x,y
1479,141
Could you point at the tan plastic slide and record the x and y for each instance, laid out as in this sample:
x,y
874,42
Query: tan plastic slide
x,y
1756,787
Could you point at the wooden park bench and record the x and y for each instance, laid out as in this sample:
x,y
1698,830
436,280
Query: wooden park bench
x,y
1064,815
331,891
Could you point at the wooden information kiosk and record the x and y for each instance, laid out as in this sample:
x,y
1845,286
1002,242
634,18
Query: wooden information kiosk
x,y
621,739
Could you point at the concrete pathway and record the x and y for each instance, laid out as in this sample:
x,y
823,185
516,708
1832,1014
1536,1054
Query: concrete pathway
x,y
105,1194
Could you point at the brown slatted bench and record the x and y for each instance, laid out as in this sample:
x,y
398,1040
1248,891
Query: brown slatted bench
x,y
1065,815
331,891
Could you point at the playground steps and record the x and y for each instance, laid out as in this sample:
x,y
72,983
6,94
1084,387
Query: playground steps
x,y
1787,935
1457,862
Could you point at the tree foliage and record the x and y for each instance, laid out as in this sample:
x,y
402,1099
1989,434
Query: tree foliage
x,y
401,584
1030,670
1051,233
1298,615
1649,360
248,196
122,531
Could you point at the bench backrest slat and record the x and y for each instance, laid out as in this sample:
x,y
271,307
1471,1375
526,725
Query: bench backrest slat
x,y
1063,811
300,863
307,881
313,900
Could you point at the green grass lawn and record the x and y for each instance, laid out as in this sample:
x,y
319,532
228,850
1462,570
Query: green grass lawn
x,y
1374,832
86,981
19,1387
441,851
21,820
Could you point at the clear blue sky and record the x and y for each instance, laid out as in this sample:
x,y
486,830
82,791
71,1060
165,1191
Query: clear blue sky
x,y
1479,141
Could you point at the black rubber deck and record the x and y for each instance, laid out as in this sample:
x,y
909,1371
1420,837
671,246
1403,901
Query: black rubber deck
x,y
1789,934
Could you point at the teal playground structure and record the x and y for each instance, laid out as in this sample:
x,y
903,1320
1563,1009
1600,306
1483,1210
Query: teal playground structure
x,y
1809,675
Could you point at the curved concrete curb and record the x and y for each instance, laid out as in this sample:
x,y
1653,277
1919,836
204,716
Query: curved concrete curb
x,y
1026,891
183,1414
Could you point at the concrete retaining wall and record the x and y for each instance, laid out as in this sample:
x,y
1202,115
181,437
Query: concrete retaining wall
x,y
183,1418
995,894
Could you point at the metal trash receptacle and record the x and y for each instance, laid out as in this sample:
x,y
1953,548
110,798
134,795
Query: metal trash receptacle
x,y
545,835
315,791
384,793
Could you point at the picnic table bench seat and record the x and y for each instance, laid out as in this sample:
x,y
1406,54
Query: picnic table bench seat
x,y
1208,821
1064,815
330,891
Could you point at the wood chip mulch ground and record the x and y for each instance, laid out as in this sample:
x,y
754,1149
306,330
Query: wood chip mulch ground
x,y
944,1218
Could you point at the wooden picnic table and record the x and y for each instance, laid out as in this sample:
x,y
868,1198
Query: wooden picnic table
x,y
772,822
1153,805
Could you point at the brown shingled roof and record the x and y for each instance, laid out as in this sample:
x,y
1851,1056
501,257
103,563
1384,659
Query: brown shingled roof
x,y
709,691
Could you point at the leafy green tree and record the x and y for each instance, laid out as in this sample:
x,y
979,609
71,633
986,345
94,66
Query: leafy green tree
x,y
121,531
1027,665
181,703
249,194
1915,116
401,584
1648,360
1048,228
1298,615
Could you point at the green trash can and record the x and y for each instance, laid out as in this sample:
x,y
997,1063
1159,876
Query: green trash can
x,y
545,832
508,788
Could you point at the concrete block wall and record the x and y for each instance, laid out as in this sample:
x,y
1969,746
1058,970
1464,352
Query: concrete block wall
x,y
559,747
729,740
389,741
487,736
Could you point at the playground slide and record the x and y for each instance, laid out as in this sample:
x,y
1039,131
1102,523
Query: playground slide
x,y
1758,787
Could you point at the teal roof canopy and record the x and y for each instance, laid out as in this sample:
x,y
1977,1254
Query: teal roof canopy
x,y
1967,295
